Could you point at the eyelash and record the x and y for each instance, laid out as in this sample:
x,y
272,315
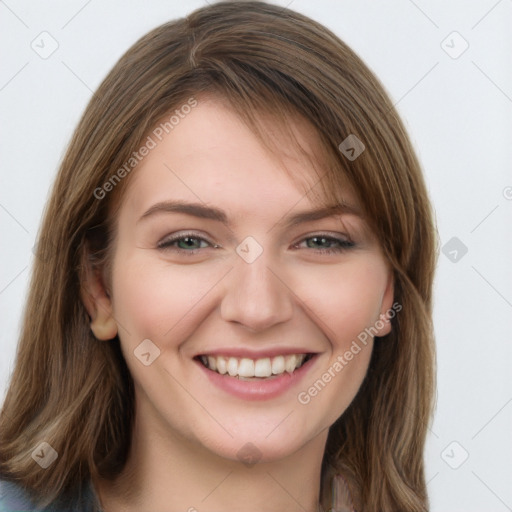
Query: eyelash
x,y
344,245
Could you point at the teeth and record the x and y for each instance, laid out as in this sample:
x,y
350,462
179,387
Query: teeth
x,y
263,368
232,366
290,363
248,368
278,365
212,363
222,366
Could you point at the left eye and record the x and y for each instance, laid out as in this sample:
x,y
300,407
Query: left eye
x,y
326,244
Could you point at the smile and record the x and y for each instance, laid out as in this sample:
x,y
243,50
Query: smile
x,y
249,375
246,368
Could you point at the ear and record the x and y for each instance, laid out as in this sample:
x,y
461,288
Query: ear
x,y
388,310
97,302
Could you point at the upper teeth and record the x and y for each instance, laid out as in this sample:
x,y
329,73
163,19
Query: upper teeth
x,y
245,367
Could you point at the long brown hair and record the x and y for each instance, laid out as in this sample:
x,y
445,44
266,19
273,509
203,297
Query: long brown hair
x,y
75,392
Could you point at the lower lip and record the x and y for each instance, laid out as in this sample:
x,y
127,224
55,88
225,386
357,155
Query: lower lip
x,y
263,389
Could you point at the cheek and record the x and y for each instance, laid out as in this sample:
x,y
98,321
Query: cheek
x,y
344,302
346,308
153,298
346,299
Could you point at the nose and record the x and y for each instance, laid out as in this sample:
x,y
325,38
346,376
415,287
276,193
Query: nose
x,y
256,295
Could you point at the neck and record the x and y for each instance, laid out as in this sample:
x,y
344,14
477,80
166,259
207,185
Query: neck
x,y
164,472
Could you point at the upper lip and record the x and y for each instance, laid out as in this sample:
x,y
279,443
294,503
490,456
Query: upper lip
x,y
252,354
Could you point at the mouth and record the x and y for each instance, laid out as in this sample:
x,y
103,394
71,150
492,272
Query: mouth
x,y
247,369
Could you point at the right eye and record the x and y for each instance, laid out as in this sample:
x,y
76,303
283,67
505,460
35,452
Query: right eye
x,y
188,243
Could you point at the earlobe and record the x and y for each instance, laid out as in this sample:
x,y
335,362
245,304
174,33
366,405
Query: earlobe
x,y
383,325
104,328
98,305
387,312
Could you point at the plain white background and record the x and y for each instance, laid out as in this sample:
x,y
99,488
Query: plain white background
x,y
457,106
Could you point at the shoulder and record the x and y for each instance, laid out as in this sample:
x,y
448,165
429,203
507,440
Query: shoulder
x,y
341,496
15,498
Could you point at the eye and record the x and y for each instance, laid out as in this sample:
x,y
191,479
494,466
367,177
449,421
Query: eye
x,y
185,243
326,244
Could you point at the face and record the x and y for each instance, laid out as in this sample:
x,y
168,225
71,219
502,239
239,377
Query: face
x,y
222,279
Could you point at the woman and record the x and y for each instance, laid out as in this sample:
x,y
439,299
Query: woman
x,y
232,304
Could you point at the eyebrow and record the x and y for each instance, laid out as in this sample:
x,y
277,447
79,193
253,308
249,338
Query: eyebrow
x,y
210,212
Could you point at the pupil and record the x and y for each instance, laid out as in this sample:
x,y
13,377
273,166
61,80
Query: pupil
x,y
319,240
189,242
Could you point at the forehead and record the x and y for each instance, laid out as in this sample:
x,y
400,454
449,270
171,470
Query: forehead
x,y
212,156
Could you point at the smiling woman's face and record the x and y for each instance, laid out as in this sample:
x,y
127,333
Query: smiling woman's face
x,y
217,256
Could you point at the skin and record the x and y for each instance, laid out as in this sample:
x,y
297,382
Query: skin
x,y
188,432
